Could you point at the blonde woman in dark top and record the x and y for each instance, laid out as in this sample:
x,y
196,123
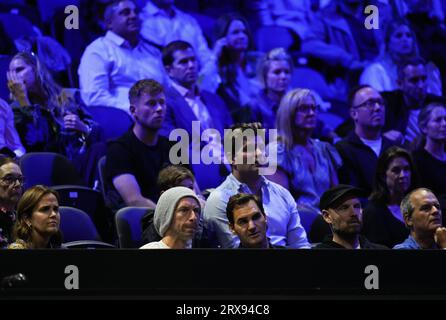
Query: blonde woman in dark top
x,y
430,155
49,118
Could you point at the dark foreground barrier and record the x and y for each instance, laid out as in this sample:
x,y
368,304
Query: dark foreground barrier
x,y
222,274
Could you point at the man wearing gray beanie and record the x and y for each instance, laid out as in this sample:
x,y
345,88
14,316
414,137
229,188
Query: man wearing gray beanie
x,y
176,218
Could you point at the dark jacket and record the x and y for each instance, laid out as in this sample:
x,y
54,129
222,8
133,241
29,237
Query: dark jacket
x,y
381,226
397,112
180,115
328,243
358,161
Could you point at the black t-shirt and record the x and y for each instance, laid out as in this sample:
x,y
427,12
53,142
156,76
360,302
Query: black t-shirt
x,y
129,155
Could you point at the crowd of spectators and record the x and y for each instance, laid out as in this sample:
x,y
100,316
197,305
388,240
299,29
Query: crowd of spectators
x,y
366,128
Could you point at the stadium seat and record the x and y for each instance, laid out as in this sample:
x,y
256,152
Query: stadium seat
x,y
304,77
76,226
17,26
115,122
49,169
270,37
128,225
4,67
91,202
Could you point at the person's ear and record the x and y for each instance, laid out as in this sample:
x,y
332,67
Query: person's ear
x,y
353,113
327,217
168,69
132,109
408,221
231,227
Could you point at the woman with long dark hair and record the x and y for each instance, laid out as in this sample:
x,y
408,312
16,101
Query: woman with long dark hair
x,y
395,176
231,50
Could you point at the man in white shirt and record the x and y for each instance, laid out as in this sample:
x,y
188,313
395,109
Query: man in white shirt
x,y
163,23
10,143
111,64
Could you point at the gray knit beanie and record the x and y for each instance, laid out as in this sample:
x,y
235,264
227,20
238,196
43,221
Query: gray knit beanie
x,y
165,207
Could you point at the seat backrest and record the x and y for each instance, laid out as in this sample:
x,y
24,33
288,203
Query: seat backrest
x,y
91,202
115,122
270,37
49,169
47,8
17,26
128,225
76,225
112,199
4,67
304,77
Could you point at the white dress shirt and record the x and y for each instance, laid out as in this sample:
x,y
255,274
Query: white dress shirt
x,y
8,134
110,66
162,29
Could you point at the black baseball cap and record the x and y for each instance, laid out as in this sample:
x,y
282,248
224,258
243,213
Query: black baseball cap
x,y
334,194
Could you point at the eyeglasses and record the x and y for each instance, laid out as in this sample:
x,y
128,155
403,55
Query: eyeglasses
x,y
370,104
10,179
305,108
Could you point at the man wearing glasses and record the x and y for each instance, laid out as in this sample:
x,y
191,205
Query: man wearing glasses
x,y
11,187
361,148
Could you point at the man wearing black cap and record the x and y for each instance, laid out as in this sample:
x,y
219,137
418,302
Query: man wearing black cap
x,y
341,209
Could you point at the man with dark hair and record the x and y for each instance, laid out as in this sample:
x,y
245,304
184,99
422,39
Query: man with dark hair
x,y
247,220
341,209
404,105
422,215
361,148
135,159
246,159
186,103
111,64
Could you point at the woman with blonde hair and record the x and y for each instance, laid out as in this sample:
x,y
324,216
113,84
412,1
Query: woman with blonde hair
x,y
47,117
274,75
305,166
400,44
430,155
38,220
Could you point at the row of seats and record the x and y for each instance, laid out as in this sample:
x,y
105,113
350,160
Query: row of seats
x,y
79,231
83,210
